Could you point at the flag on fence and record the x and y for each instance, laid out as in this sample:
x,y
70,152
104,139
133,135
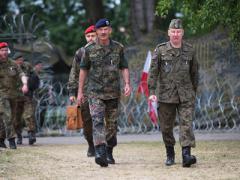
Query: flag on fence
x,y
143,85
143,89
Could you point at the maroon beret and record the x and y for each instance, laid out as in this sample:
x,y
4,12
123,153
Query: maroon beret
x,y
90,29
3,44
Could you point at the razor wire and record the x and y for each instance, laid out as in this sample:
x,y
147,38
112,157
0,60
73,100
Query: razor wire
x,y
216,109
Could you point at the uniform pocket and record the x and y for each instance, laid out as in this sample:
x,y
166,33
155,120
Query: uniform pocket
x,y
113,61
166,63
185,62
96,66
12,71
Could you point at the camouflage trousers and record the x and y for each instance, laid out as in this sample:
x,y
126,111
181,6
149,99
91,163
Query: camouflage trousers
x,y
87,123
7,110
104,116
25,110
167,115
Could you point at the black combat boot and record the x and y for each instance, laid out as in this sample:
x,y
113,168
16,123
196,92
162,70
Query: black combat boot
x,y
19,139
32,138
2,143
188,159
170,156
91,150
110,158
100,155
12,143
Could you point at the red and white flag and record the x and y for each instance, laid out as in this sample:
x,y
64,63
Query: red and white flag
x,y
143,89
143,86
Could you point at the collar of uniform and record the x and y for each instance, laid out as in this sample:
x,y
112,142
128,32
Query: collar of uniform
x,y
100,46
170,49
3,62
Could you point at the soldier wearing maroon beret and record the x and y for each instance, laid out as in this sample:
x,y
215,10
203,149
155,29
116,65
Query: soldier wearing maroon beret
x,y
90,35
9,73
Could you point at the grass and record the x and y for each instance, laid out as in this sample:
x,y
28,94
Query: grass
x,y
136,160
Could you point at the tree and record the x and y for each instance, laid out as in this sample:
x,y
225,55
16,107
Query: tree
x,y
94,10
3,7
142,16
66,20
204,15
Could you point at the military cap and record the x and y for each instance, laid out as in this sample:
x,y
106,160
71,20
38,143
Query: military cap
x,y
3,44
90,29
176,24
38,62
17,55
102,23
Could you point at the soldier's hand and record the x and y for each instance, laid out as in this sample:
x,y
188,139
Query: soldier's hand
x,y
25,89
72,99
127,89
152,98
80,99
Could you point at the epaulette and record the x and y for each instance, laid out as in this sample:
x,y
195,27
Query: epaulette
x,y
188,44
118,43
27,63
89,44
162,44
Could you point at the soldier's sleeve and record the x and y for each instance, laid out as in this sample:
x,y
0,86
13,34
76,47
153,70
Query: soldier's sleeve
x,y
30,70
154,72
123,61
85,60
194,72
20,72
73,77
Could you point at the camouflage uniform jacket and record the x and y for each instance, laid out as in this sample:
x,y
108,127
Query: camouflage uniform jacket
x,y
27,69
103,64
10,73
174,72
74,74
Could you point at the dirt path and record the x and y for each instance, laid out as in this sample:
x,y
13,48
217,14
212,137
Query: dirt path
x,y
143,159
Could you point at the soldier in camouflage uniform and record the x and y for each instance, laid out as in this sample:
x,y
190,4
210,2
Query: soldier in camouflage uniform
x,y
25,105
101,63
174,69
90,35
10,73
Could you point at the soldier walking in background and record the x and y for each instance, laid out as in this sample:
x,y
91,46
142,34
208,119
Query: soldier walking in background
x,y
25,108
90,36
40,93
174,69
101,63
10,73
